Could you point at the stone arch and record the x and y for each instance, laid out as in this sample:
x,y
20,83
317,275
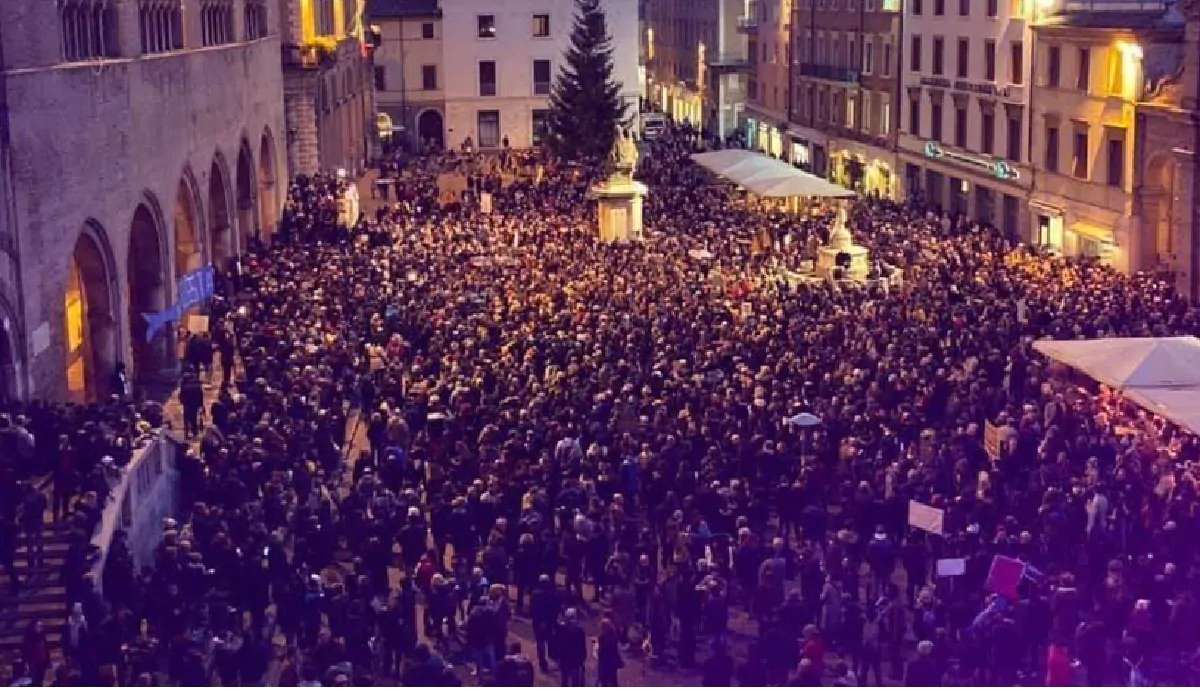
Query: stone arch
x,y
220,218
190,249
431,127
149,295
91,331
267,186
247,195
1157,198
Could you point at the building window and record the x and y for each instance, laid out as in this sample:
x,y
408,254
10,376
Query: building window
x,y
1116,157
324,22
216,18
541,126
916,7
935,122
487,28
869,57
255,18
987,131
1013,142
939,8
429,77
853,60
960,127
851,103
89,29
379,78
160,25
1116,71
867,116
488,123
487,78
914,63
426,30
1083,78
1053,65
541,77
541,26
1016,63
964,8
885,114
887,59
993,8
1079,154
939,55
989,60
964,57
1051,164
914,116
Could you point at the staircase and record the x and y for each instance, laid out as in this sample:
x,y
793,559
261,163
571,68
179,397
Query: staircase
x,y
42,597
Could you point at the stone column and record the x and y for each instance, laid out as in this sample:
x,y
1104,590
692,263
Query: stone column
x,y
1187,241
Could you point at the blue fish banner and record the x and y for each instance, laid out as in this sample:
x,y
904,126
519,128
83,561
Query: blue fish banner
x,y
194,289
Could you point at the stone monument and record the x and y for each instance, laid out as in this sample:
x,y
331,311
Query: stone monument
x,y
620,196
841,252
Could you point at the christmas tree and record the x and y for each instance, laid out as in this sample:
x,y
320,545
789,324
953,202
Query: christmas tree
x,y
586,108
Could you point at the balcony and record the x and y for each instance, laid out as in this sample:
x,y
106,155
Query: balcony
x,y
820,71
747,25
308,56
728,62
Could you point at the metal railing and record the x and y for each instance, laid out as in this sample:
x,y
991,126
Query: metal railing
x,y
1141,6
821,71
146,493
747,24
728,60
309,56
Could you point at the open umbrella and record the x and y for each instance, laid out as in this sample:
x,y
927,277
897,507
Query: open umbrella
x,y
804,420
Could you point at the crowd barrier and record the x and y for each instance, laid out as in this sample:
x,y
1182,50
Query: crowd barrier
x,y
147,492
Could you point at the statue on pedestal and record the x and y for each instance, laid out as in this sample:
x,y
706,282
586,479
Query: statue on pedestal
x,y
623,156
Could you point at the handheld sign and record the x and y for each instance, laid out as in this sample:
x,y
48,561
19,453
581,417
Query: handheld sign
x,y
194,289
926,518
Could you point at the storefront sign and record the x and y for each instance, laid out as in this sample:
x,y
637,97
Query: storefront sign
x,y
965,86
1000,169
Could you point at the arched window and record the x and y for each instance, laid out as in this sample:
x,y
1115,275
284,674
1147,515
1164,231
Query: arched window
x,y
256,19
88,29
160,23
216,19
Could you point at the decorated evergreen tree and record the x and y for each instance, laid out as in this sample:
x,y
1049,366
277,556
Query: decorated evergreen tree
x,y
586,108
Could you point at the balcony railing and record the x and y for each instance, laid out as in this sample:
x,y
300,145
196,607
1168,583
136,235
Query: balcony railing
x,y
728,60
1139,6
820,71
747,24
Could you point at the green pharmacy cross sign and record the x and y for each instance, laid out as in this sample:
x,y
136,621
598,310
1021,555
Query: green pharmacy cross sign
x,y
1000,169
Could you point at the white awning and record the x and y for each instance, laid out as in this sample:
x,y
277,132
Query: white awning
x,y
1131,362
1179,405
768,177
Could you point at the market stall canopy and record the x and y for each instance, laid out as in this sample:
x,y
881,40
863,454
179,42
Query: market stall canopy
x,y
768,177
1131,362
1179,405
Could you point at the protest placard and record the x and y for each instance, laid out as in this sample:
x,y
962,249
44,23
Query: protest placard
x,y
1004,575
926,518
951,567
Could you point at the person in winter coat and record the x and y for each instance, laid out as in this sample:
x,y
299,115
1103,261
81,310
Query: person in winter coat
x,y
608,655
572,650
514,670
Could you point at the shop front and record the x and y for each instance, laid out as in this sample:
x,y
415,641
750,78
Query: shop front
x,y
809,150
975,186
865,169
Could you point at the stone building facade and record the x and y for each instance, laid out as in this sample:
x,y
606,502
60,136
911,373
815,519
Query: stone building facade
x,y
409,77
130,154
327,85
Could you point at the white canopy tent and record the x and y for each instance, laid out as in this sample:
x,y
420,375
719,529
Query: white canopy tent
x,y
768,177
1179,405
1162,374
1131,362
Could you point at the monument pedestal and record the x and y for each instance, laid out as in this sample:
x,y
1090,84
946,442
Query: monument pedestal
x,y
841,245
620,209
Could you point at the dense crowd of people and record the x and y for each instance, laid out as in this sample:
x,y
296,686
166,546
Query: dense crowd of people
x,y
446,424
